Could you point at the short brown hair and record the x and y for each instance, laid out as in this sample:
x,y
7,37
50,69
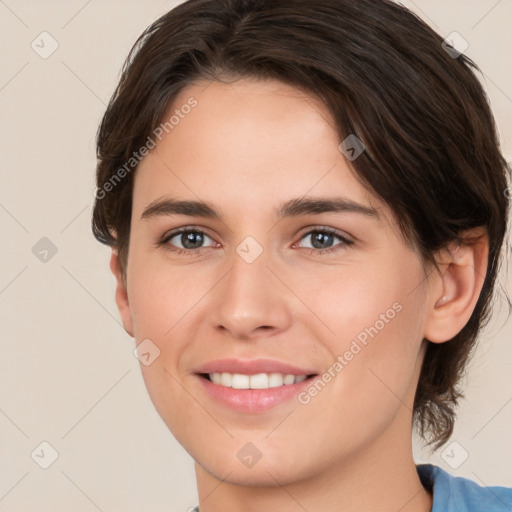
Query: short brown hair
x,y
432,151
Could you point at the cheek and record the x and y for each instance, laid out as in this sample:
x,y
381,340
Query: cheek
x,y
348,300
160,305
367,387
160,299
165,304
376,332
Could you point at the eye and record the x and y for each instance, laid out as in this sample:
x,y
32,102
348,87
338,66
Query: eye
x,y
323,240
190,241
186,240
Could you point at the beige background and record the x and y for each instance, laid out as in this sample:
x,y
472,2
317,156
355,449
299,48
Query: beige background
x,y
67,372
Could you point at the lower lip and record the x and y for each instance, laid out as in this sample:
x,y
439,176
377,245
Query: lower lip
x,y
253,400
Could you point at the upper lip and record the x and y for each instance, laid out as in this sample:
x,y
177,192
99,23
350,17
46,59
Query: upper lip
x,y
252,367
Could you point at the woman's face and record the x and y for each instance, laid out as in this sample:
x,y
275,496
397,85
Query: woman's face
x,y
289,267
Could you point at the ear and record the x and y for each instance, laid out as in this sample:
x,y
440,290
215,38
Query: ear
x,y
454,291
121,293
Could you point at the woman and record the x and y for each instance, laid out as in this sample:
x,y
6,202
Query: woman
x,y
306,204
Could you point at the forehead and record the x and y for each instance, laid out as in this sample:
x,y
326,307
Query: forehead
x,y
251,143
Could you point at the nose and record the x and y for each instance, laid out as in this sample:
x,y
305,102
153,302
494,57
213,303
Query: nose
x,y
251,301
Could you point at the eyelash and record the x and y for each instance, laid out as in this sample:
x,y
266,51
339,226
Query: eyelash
x,y
193,252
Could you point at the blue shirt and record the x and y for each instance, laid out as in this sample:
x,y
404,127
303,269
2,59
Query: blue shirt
x,y
457,494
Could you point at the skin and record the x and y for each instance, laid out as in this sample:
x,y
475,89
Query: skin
x,y
247,147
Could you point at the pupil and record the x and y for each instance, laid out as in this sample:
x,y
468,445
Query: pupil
x,y
191,240
320,240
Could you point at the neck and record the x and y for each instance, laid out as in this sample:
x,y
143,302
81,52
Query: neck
x,y
380,478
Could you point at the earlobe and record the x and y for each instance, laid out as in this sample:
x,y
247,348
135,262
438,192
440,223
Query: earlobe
x,y
458,285
121,293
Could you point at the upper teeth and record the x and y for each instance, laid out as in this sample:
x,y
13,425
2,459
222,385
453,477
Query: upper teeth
x,y
258,381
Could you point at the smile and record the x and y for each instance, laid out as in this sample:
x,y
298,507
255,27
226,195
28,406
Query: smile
x,y
257,381
253,394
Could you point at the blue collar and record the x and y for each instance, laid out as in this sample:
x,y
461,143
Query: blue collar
x,y
457,494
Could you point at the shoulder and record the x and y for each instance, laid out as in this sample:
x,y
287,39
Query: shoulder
x,y
457,494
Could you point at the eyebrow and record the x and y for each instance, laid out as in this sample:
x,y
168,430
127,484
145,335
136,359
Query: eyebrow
x,y
291,208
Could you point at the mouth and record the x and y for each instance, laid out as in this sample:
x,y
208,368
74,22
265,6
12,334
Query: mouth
x,y
254,381
252,385
253,393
